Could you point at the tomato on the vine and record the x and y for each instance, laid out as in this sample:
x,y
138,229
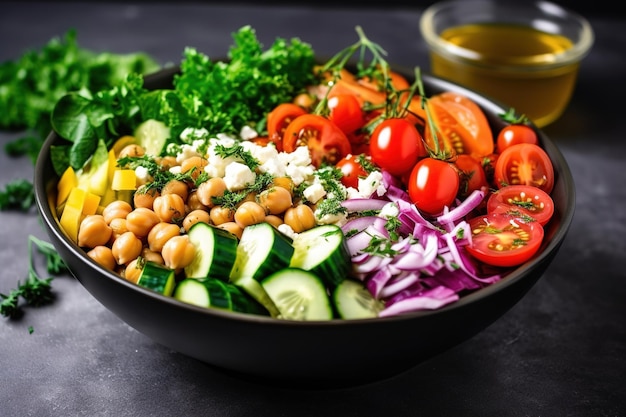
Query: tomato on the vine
x,y
527,164
433,185
522,200
514,134
326,142
346,112
278,120
462,127
396,145
502,240
352,169
471,174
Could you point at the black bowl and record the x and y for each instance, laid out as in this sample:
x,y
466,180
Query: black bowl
x,y
309,354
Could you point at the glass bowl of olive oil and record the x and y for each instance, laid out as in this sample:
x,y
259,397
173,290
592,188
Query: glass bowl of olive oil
x,y
526,55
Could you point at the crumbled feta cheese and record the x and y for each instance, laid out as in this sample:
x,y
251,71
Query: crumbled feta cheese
x,y
314,192
373,183
339,218
141,173
248,133
287,230
192,134
186,152
389,210
237,176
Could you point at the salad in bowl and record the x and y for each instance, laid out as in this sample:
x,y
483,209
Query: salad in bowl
x,y
273,196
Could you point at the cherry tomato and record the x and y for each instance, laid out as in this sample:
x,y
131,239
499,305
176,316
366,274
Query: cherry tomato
x,y
352,170
397,80
346,112
471,175
462,126
326,142
396,145
278,120
514,134
526,164
522,200
502,240
433,185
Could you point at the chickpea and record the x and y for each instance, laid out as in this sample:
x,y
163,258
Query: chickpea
x,y
152,256
161,233
178,252
213,187
284,182
167,162
116,210
133,270
221,214
118,227
275,200
176,187
170,208
300,218
193,202
249,213
93,231
195,163
232,227
132,150
141,220
249,197
273,220
126,248
144,197
103,256
196,216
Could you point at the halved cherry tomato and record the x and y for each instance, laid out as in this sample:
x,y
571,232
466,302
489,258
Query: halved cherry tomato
x,y
352,169
502,240
278,120
396,145
346,112
522,200
525,164
462,126
471,175
433,185
514,134
326,142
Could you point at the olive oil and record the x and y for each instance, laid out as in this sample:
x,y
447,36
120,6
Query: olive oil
x,y
512,64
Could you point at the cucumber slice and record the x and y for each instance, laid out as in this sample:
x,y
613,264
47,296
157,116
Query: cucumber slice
x,y
157,278
254,289
322,250
353,301
152,135
262,250
216,250
214,293
299,295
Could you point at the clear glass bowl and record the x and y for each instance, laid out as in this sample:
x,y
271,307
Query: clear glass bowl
x,y
524,55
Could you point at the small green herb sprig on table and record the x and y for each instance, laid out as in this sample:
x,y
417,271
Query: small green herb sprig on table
x,y
36,291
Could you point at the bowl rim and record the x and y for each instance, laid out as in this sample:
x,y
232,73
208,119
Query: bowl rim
x,y
576,53
42,187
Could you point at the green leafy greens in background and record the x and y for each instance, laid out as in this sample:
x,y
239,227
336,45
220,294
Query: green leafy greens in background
x,y
31,85
221,96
